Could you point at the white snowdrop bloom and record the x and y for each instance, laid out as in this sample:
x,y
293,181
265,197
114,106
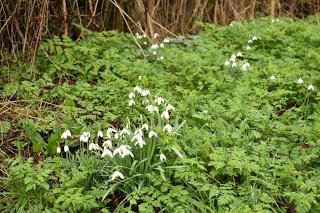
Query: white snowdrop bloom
x,y
154,53
145,93
66,134
154,46
131,95
100,134
141,143
155,109
272,20
161,58
84,137
159,100
116,136
167,128
131,103
145,126
136,137
123,151
300,81
162,157
156,35
144,35
272,78
226,63
250,41
58,150
138,131
117,174
66,148
161,45
139,36
145,43
152,108
254,38
111,130
107,143
165,115
310,87
205,112
137,89
140,77
234,65
93,146
105,152
248,47
166,40
245,66
239,54
170,108
124,131
233,58
152,134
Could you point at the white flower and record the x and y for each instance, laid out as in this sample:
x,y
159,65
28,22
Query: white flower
x,y
145,126
66,134
137,89
58,150
110,130
145,43
93,146
116,136
167,128
123,151
250,41
145,93
166,40
140,77
131,95
161,58
100,134
152,134
159,100
105,152
234,65
156,35
124,131
138,131
141,143
272,78
152,108
131,103
239,54
136,137
117,174
84,137
310,87
162,157
233,58
165,115
226,63
107,143
254,38
161,45
154,46
170,108
154,52
66,148
248,47
245,66
300,81
144,35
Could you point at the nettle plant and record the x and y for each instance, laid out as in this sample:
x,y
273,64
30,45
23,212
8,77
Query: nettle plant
x,y
139,148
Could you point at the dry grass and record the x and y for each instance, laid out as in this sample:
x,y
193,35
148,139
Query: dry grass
x,y
24,23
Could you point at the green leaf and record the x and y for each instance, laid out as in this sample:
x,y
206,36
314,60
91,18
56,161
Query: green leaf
x,y
4,127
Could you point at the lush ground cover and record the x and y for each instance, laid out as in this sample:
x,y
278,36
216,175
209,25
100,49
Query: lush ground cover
x,y
246,123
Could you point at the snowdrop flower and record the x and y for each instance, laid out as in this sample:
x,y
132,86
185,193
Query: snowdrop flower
x,y
159,100
170,108
93,146
100,134
161,45
145,93
141,143
248,47
131,95
136,137
84,137
106,152
131,103
300,81
116,136
205,112
66,148
165,115
152,134
167,128
58,150
137,89
117,174
272,78
250,41
124,131
161,58
66,134
254,38
156,35
154,46
154,53
144,35
245,66
239,54
109,131
226,63
107,143
310,87
152,108
140,77
234,65
233,58
145,126
166,40
162,157
145,43
123,151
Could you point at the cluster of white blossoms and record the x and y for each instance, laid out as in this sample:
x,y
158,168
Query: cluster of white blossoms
x,y
299,81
